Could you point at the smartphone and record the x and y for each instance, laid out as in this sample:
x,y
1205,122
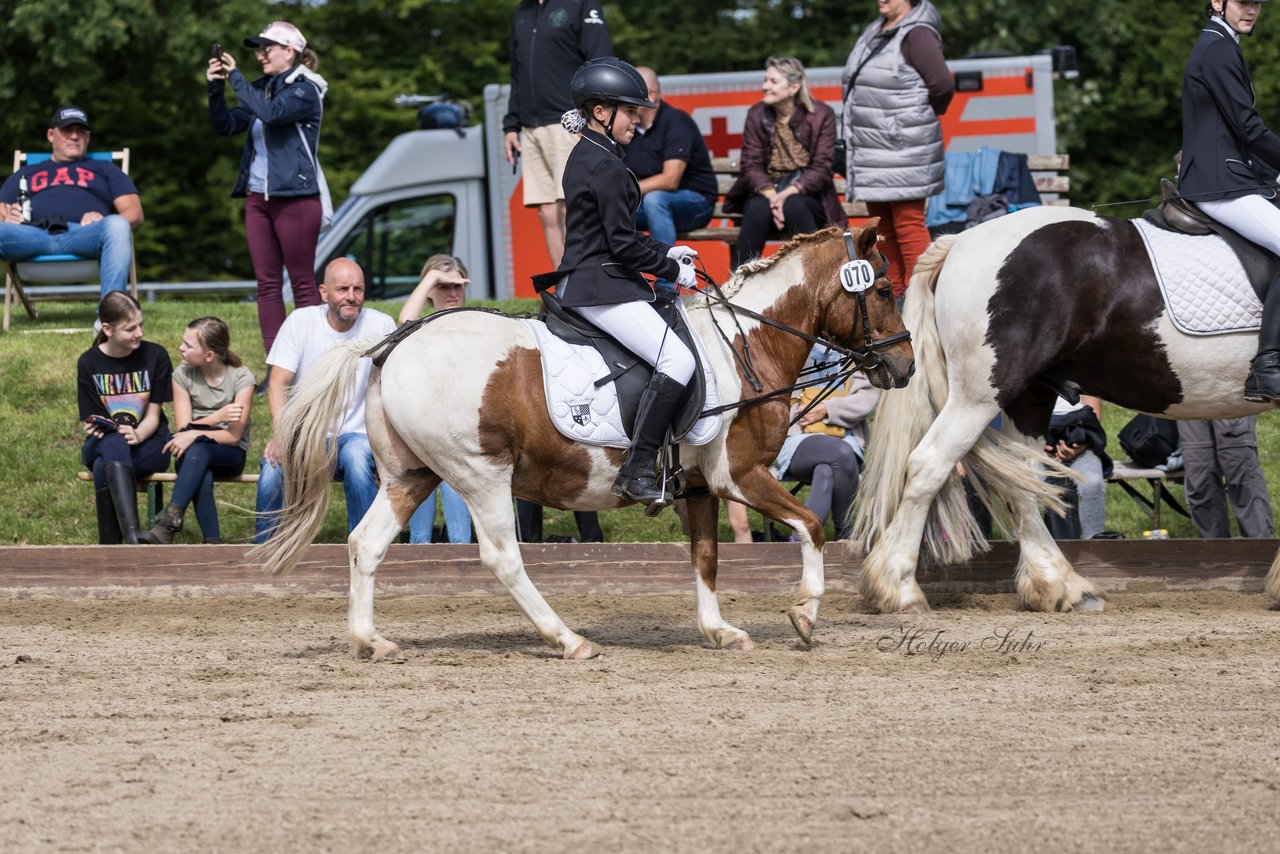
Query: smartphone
x,y
215,52
102,423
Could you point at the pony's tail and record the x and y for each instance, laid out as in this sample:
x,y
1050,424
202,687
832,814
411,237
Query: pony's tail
x,y
904,414
307,455
997,465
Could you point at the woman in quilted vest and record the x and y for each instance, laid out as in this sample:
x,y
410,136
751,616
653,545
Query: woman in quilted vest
x,y
896,84
788,144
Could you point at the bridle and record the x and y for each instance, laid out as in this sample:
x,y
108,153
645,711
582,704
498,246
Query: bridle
x,y
857,276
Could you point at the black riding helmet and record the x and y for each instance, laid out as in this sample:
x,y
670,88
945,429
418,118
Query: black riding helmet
x,y
609,81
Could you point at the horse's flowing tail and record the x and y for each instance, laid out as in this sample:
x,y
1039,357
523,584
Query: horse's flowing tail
x,y
997,465
307,455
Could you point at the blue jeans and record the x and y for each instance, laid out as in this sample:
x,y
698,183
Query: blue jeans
x,y
456,517
197,468
110,240
666,213
354,469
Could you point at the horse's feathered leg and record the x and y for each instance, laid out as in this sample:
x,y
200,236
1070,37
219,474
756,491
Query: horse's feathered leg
x,y
888,578
761,491
1046,580
366,547
494,518
704,518
1273,579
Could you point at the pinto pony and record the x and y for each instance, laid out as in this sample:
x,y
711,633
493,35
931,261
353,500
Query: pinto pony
x,y
461,400
1001,316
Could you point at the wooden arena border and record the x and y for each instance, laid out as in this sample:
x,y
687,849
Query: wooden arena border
x,y
601,568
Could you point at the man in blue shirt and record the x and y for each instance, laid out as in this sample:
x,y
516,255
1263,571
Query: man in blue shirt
x,y
71,204
669,156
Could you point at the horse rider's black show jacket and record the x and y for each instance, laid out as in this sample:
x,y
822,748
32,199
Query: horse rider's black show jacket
x,y
1227,151
603,250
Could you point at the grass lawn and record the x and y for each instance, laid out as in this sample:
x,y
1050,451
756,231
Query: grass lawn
x,y
42,503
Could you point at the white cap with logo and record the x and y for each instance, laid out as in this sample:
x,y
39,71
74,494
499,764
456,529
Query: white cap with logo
x,y
281,33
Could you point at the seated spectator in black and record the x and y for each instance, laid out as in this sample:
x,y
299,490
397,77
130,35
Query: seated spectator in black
x,y
212,395
677,182
122,383
1221,466
1076,439
71,204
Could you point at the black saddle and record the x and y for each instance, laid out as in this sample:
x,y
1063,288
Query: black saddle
x,y
1177,214
627,371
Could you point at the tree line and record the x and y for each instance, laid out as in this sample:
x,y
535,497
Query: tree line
x,y
138,69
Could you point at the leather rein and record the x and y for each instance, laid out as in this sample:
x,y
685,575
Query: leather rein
x,y
856,277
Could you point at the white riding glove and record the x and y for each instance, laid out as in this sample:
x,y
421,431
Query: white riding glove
x,y
679,253
688,278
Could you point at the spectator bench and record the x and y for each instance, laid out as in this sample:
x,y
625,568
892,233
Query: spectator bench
x,y
1124,471
153,485
1049,170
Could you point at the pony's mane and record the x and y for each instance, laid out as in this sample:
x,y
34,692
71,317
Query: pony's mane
x,y
756,265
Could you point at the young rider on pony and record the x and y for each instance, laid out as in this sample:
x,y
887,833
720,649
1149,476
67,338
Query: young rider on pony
x,y
1230,160
603,251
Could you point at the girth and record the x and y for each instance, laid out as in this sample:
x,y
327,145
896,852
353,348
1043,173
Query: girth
x,y
1179,215
627,371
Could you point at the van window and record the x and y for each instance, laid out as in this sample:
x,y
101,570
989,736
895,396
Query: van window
x,y
393,241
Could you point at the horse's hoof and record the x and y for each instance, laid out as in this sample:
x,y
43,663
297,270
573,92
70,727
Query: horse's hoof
x,y
1090,604
379,651
919,606
734,639
581,652
802,624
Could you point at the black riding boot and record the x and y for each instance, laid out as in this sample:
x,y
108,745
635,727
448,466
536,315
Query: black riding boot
x,y
638,478
122,485
1263,382
108,527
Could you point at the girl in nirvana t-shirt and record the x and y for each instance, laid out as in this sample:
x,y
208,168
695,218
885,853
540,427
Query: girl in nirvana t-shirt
x,y
122,383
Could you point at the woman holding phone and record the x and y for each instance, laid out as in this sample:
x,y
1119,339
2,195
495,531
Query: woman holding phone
x,y
286,198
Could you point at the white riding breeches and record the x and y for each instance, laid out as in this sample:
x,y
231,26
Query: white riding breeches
x,y
1253,217
639,328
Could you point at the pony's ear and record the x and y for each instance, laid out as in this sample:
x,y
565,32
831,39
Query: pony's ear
x,y
865,239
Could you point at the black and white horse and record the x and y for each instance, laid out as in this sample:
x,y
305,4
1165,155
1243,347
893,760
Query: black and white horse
x,y
1001,315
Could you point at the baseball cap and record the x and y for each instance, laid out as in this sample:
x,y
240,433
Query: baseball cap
x,y
281,33
67,116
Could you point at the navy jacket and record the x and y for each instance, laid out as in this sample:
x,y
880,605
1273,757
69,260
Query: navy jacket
x,y
286,104
602,248
1227,151
548,42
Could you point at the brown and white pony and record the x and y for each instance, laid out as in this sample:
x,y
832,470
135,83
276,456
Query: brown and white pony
x,y
462,400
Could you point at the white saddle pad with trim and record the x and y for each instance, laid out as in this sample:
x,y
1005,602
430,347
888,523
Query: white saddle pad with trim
x,y
591,415
1203,282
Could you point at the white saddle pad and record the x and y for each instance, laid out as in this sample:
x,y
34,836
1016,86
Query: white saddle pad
x,y
1203,282
593,415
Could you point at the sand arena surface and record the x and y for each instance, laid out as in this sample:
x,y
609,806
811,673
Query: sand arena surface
x,y
219,724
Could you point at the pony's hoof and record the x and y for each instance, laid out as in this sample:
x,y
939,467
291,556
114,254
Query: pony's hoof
x,y
919,606
1089,604
581,652
381,651
733,639
802,624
